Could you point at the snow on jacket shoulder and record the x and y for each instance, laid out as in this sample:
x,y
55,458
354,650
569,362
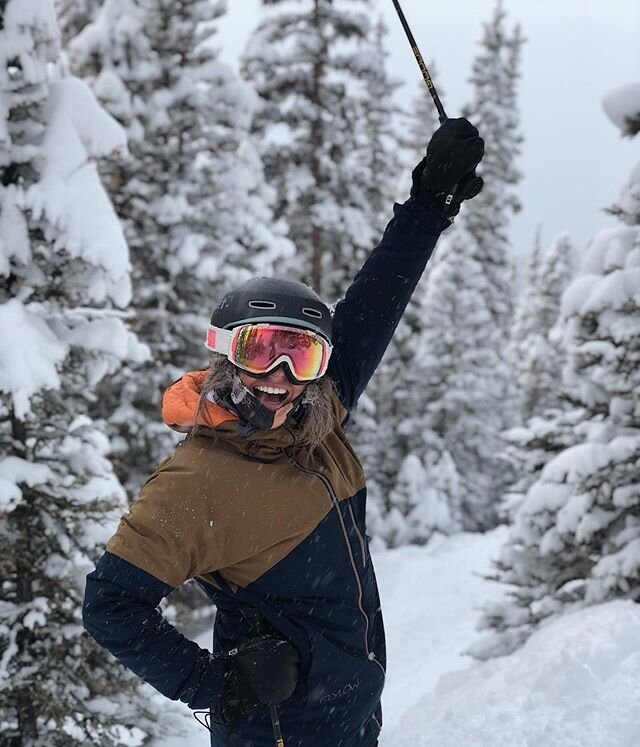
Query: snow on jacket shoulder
x,y
260,523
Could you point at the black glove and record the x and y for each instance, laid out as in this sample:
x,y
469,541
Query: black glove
x,y
261,671
447,175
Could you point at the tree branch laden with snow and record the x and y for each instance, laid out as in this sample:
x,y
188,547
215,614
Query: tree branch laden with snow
x,y
64,271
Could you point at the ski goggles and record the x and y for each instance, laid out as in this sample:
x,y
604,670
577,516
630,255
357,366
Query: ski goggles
x,y
260,348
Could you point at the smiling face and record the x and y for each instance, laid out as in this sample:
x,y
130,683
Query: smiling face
x,y
275,391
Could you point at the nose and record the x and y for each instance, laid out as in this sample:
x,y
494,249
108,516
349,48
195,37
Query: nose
x,y
278,376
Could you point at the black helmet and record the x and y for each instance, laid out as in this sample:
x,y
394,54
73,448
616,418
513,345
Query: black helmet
x,y
276,301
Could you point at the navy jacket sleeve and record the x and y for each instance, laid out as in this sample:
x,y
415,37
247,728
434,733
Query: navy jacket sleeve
x,y
366,318
120,613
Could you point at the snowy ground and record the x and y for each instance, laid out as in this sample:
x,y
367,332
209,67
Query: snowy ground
x,y
575,684
429,599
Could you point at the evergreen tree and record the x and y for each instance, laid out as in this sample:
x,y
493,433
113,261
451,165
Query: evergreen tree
x,y
420,501
494,111
399,446
463,382
391,447
523,327
449,403
399,378
74,15
474,403
575,539
373,425
536,358
330,149
538,362
192,196
419,123
64,269
380,143
464,367
423,120
308,62
543,361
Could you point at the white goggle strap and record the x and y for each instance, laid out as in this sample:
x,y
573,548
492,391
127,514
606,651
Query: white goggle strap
x,y
219,340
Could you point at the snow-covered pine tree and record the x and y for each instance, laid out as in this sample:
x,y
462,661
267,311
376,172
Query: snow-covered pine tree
x,y
192,196
403,398
399,514
537,362
373,425
402,392
64,269
543,361
380,142
391,448
420,121
468,387
420,502
575,539
460,376
494,110
307,62
523,326
74,15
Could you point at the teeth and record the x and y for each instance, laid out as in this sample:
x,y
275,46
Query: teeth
x,y
271,390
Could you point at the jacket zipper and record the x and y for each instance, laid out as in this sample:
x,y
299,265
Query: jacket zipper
x,y
334,500
353,518
360,538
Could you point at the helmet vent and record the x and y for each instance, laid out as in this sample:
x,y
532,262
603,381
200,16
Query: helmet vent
x,y
269,305
312,312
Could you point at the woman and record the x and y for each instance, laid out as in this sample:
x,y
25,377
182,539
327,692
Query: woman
x,y
264,502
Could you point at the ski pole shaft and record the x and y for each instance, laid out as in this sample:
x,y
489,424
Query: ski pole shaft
x,y
255,619
275,721
442,115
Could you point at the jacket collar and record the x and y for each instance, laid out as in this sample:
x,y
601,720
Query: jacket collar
x,y
179,411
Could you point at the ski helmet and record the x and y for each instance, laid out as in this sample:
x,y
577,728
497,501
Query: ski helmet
x,y
275,301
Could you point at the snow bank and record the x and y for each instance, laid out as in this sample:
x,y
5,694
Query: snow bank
x,y
575,683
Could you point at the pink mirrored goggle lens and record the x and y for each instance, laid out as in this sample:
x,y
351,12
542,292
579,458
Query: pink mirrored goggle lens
x,y
259,348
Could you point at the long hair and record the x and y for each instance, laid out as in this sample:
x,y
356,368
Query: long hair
x,y
319,418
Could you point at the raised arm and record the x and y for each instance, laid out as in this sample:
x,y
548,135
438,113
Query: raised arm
x,y
366,318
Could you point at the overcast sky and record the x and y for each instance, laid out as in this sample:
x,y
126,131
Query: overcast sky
x,y
574,160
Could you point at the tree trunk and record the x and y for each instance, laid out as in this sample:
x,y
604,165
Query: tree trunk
x,y
316,145
23,564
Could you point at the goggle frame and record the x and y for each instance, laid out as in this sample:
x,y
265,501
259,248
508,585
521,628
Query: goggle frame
x,y
220,340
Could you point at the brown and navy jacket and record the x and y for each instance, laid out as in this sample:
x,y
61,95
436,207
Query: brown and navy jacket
x,y
261,523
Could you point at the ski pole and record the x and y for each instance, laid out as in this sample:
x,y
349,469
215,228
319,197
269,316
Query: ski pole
x,y
275,722
476,183
442,115
255,620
